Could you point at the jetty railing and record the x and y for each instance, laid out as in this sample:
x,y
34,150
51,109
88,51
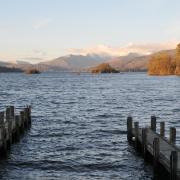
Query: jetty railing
x,y
162,151
12,125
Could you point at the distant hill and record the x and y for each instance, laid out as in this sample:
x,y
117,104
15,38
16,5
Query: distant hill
x,y
131,62
74,62
137,63
7,69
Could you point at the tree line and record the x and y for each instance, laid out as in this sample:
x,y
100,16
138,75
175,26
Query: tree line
x,y
165,64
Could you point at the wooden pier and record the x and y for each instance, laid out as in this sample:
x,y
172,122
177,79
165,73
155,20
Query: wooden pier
x,y
162,152
12,125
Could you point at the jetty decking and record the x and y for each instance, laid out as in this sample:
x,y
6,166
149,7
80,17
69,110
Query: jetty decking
x,y
12,126
162,151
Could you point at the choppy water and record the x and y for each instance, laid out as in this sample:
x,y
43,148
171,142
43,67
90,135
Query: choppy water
x,y
79,123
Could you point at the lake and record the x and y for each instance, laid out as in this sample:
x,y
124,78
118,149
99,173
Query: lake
x,y
79,123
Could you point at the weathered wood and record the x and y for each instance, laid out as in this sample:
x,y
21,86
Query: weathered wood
x,y
173,165
162,128
159,147
153,123
136,127
1,118
155,157
22,120
172,135
129,128
12,111
10,126
17,132
8,113
144,143
29,115
3,144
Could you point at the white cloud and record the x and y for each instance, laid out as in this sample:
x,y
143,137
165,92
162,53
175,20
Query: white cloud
x,y
147,48
41,23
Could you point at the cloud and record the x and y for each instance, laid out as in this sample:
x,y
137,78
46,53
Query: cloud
x,y
35,56
41,23
39,52
32,59
143,49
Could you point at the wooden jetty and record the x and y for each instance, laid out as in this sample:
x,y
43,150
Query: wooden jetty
x,y
162,152
12,125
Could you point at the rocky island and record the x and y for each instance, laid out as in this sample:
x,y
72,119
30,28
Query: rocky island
x,y
32,71
103,68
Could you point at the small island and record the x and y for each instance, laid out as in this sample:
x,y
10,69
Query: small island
x,y
103,68
32,71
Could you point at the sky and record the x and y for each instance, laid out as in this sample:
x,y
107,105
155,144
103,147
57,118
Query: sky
x,y
40,30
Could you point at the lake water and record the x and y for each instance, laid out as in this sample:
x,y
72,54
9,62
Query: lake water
x,y
79,123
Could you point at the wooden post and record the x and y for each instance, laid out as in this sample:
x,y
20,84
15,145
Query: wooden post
x,y
136,128
144,143
9,127
155,157
153,123
22,121
29,115
12,111
172,135
3,134
1,118
8,113
13,125
162,129
17,134
173,165
26,117
129,128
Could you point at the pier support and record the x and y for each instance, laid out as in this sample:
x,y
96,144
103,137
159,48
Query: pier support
x,y
155,157
144,143
136,128
173,165
153,123
172,135
162,129
129,128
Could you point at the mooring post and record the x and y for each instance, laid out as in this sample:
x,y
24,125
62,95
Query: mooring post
x,y
17,119
162,129
3,134
9,128
1,118
29,115
26,117
172,135
173,165
155,157
12,111
153,123
22,119
144,143
136,128
129,128
12,120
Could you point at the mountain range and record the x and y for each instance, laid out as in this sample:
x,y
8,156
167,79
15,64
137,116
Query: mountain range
x,y
130,62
